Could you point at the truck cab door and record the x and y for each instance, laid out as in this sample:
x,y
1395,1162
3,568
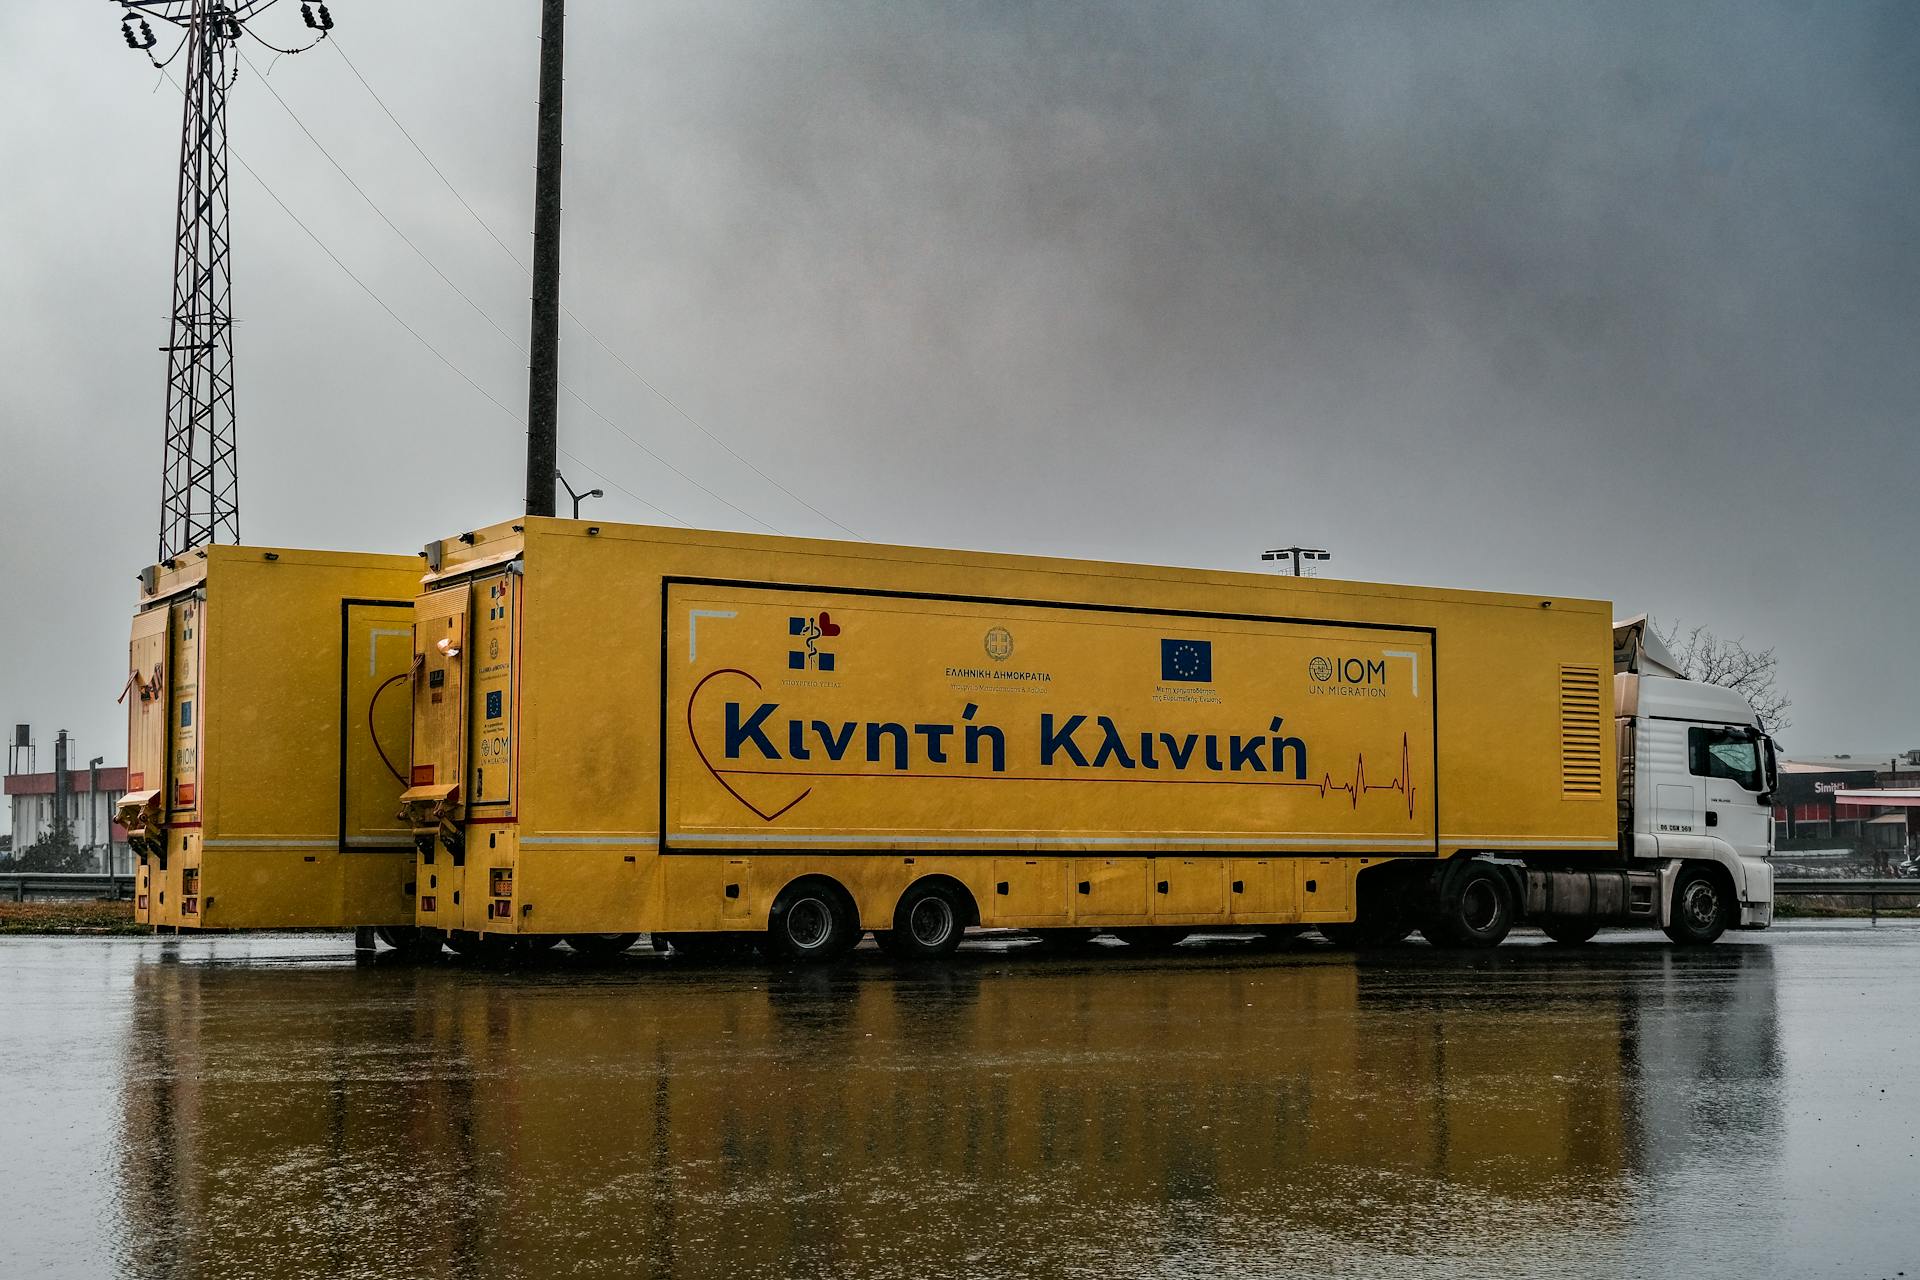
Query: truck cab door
x,y
434,801
1728,761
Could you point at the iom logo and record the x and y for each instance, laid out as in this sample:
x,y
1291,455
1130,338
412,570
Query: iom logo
x,y
808,633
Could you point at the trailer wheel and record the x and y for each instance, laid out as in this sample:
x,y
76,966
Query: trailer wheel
x,y
1476,909
812,920
1702,904
928,923
601,946
1569,933
1152,938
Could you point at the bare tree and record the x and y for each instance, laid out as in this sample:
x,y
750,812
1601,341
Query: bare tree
x,y
1751,673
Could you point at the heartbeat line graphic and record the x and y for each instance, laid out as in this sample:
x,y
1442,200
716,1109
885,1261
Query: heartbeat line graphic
x,y
1360,786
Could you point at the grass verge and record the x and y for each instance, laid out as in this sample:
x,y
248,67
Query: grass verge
x,y
69,917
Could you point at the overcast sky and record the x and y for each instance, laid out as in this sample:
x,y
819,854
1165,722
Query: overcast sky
x,y
1615,300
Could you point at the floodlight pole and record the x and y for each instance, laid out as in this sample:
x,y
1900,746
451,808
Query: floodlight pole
x,y
1296,555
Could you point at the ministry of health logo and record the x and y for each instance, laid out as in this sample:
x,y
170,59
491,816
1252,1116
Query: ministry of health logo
x,y
810,632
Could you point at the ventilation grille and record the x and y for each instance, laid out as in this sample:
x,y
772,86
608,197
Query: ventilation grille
x,y
1580,720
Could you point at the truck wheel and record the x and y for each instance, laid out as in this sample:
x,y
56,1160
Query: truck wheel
x,y
1701,907
1153,938
928,923
601,946
1475,911
812,920
1569,933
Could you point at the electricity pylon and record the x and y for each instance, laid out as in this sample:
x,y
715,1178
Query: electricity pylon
x,y
200,483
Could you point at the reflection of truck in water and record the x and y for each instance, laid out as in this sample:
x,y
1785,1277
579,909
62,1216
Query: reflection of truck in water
x,y
996,1114
712,737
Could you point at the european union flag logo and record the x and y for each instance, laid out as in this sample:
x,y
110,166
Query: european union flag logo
x,y
1187,660
494,708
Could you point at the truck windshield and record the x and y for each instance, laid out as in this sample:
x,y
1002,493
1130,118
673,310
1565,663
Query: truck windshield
x,y
1725,753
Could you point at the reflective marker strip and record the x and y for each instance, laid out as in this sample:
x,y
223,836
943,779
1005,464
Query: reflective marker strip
x,y
1200,842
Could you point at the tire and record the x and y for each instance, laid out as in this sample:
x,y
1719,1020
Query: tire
x,y
812,921
1569,933
928,923
601,946
1476,909
1702,907
1153,937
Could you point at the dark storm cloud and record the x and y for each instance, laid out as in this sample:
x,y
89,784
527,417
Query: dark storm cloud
x,y
1612,300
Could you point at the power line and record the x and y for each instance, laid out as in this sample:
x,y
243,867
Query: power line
x,y
439,355
634,440
574,316
478,309
378,212
422,151
413,332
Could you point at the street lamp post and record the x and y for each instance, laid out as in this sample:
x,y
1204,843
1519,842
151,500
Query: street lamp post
x,y
578,498
1296,555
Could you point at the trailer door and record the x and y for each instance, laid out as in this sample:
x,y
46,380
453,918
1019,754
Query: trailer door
x,y
187,711
439,703
140,811
376,654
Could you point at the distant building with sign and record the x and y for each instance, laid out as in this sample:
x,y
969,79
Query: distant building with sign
x,y
1845,801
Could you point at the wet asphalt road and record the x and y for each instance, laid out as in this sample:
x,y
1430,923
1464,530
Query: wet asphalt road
x,y
266,1106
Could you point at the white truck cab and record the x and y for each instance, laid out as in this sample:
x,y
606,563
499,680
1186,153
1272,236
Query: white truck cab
x,y
1697,778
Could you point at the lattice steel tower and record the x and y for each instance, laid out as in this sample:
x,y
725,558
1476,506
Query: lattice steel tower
x,y
200,488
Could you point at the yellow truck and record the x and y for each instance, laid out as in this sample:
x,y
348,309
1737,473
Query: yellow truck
x,y
266,738
715,738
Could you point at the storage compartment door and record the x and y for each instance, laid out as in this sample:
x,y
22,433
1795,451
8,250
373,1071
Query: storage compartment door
x,y
376,655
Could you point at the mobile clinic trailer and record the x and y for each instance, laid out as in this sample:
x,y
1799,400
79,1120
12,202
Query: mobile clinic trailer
x,y
266,731
620,729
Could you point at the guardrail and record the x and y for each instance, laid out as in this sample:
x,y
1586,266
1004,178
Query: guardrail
x,y
1871,890
20,885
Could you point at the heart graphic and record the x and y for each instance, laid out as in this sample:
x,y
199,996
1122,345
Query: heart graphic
x,y
828,627
763,814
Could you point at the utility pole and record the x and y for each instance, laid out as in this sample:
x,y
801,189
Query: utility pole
x,y
200,482
543,371
1297,554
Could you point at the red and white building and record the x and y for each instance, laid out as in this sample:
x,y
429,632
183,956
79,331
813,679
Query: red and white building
x,y
90,795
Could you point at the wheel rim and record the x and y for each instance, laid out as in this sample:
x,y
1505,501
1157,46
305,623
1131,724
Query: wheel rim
x,y
809,924
1479,906
1700,905
931,921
